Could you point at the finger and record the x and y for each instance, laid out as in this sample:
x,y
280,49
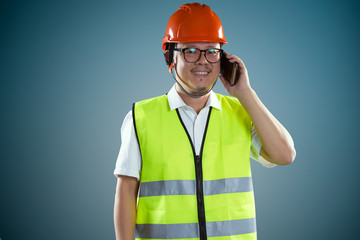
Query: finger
x,y
233,59
230,56
241,63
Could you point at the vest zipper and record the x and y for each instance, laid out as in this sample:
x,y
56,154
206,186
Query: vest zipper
x,y
199,178
200,197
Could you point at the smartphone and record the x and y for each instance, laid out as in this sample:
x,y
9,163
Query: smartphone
x,y
230,71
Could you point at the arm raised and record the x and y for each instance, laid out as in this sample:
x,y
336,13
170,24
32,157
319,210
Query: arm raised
x,y
277,144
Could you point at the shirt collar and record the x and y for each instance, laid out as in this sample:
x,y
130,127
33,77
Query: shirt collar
x,y
175,101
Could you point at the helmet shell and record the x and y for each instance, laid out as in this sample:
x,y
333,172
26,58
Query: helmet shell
x,y
194,22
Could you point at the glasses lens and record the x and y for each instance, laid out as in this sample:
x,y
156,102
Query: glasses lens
x,y
191,54
213,55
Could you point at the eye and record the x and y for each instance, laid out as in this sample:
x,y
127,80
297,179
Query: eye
x,y
190,51
212,51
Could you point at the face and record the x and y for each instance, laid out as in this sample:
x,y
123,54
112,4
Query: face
x,y
197,77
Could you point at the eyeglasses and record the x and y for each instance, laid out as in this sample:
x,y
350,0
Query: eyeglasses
x,y
191,55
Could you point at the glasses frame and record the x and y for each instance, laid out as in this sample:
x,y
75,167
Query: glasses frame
x,y
201,51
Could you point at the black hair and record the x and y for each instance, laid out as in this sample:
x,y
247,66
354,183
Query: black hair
x,y
169,58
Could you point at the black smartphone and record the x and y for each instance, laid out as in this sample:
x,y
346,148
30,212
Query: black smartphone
x,y
230,71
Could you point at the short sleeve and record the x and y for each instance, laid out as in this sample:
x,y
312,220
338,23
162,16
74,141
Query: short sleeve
x,y
255,150
129,158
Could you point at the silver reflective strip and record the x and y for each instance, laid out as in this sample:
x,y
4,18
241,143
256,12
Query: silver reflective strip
x,y
191,230
233,227
167,231
188,187
169,187
228,185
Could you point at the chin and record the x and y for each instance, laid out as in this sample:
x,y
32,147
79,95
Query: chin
x,y
200,90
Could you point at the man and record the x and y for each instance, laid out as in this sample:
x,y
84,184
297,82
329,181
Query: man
x,y
189,150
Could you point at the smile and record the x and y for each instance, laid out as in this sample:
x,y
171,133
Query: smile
x,y
200,73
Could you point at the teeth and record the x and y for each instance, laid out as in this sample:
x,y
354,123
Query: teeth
x,y
201,73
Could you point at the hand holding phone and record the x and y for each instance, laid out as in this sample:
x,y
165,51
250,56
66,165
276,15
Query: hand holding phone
x,y
230,71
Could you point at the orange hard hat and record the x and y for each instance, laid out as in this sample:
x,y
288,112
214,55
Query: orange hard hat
x,y
194,22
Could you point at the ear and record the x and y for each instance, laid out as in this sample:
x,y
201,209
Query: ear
x,y
166,56
168,61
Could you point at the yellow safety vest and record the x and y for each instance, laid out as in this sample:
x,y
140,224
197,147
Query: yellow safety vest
x,y
185,196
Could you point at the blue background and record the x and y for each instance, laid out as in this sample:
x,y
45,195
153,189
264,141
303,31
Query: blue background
x,y
70,71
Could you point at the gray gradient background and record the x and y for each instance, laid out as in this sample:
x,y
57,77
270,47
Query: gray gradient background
x,y
70,71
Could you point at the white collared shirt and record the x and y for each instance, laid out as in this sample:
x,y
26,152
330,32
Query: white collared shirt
x,y
129,158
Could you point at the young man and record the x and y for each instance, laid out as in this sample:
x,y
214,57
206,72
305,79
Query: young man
x,y
189,150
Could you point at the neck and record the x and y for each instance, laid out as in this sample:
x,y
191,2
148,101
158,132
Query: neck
x,y
196,103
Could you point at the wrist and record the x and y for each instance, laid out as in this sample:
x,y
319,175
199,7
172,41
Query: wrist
x,y
245,95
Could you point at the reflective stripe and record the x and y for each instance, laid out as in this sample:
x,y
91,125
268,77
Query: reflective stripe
x,y
191,230
228,185
187,187
233,227
169,187
167,231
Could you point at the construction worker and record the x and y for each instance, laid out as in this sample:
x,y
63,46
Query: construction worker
x,y
183,168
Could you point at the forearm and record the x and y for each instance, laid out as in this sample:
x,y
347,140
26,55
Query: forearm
x,y
276,140
125,211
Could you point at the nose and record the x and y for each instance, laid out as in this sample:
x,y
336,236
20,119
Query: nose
x,y
202,58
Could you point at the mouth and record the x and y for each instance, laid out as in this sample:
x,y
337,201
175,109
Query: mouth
x,y
201,74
